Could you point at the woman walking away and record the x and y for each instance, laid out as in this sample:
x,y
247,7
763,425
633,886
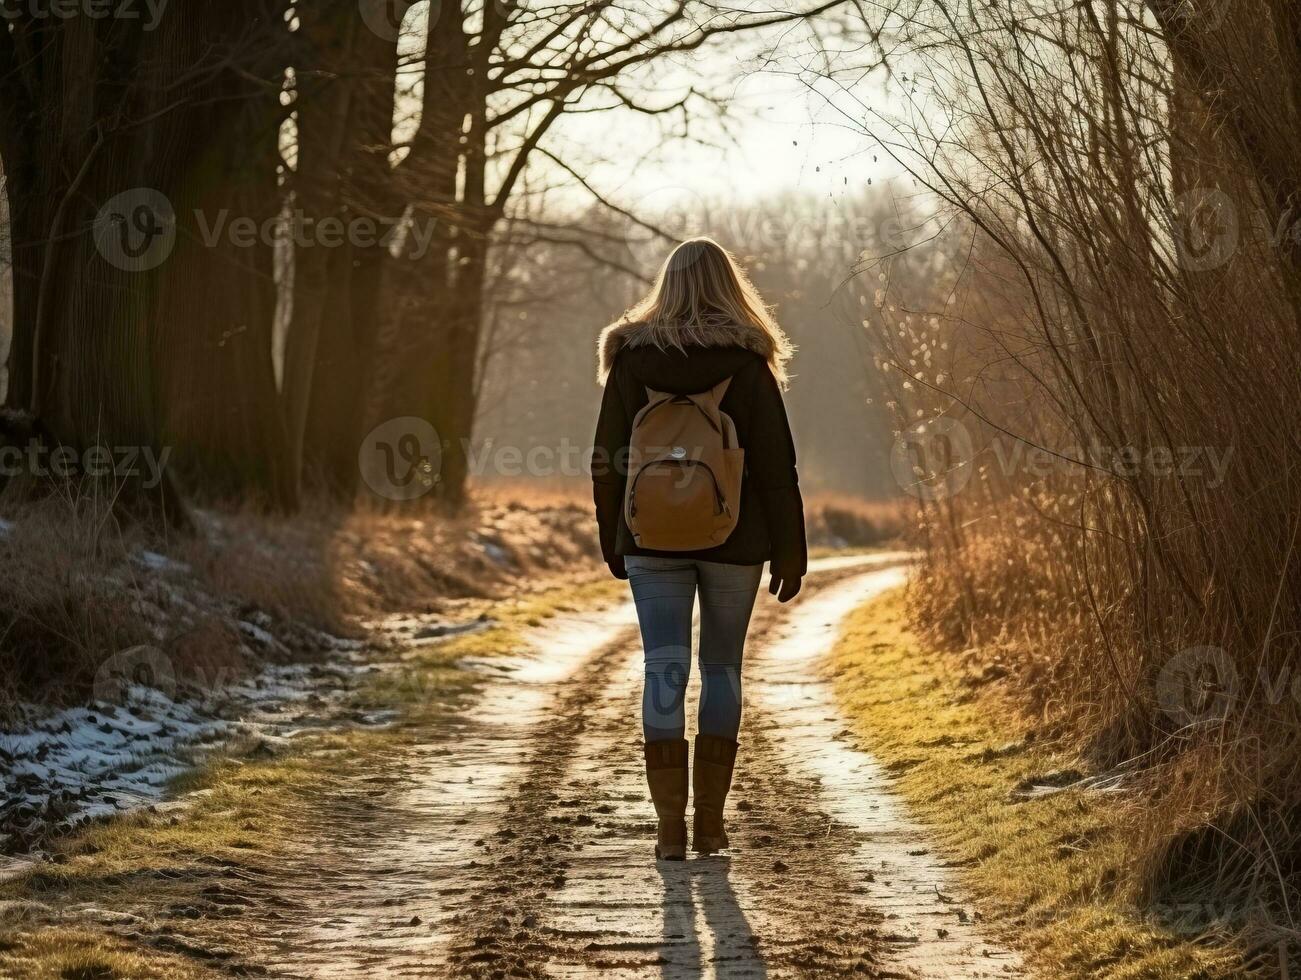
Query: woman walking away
x,y
695,487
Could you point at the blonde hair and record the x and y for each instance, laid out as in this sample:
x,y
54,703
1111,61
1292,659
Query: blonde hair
x,y
700,288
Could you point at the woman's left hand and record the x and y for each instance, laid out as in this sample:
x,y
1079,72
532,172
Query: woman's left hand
x,y
785,589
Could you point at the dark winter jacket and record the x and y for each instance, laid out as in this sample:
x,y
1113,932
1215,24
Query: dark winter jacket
x,y
770,526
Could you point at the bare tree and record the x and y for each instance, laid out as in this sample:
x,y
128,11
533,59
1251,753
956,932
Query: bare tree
x,y
497,78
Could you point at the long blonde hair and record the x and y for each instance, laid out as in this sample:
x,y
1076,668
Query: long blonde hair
x,y
700,289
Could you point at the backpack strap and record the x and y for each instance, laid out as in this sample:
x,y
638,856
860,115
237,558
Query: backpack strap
x,y
655,398
708,402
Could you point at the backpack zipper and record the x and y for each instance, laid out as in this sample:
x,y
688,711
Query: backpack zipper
x,y
723,507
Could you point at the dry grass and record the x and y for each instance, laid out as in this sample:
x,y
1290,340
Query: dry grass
x,y
839,521
145,864
61,609
1053,873
59,953
328,566
76,589
560,492
1100,392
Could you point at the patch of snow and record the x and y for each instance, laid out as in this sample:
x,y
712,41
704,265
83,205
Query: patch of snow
x,y
64,768
494,551
331,642
262,637
155,562
60,769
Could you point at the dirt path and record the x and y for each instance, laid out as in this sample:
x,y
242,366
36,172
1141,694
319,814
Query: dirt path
x,y
517,844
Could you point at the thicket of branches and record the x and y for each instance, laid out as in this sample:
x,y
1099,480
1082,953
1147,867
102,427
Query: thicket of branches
x,y
295,113
1132,297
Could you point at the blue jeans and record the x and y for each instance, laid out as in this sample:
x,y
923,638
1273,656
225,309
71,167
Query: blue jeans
x,y
664,590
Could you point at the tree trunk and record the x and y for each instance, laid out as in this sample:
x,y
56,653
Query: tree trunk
x,y
221,406
72,140
110,326
350,307
422,368
321,274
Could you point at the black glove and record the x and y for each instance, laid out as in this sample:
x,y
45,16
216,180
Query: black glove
x,y
785,589
616,567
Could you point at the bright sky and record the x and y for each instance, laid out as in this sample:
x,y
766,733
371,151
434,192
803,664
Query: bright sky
x,y
779,133
782,135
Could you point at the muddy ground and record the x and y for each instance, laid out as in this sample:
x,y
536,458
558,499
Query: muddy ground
x,y
517,841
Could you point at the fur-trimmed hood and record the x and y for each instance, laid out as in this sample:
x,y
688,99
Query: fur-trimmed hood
x,y
618,336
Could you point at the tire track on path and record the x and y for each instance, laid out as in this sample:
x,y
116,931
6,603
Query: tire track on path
x,y
930,932
517,841
777,905
827,877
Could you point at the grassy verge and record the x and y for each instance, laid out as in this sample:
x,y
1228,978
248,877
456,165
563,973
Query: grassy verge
x,y
1047,869
72,919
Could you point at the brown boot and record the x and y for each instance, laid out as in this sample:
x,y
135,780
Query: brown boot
x,y
711,778
666,774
